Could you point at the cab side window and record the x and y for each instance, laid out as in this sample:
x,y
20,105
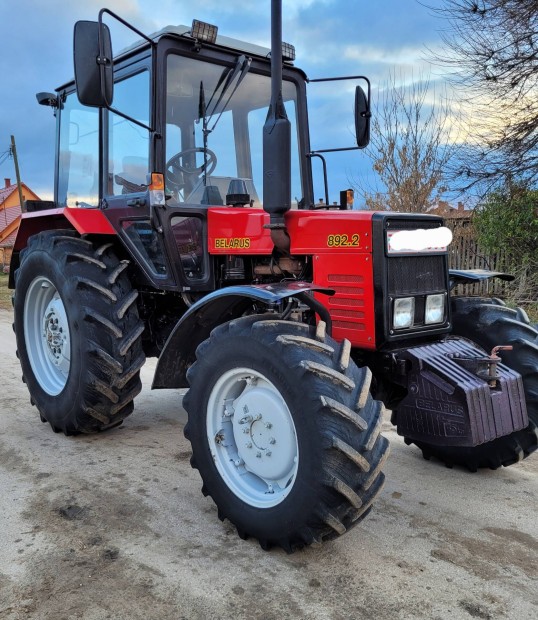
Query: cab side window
x,y
78,172
128,143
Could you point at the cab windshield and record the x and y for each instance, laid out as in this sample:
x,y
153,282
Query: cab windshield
x,y
234,133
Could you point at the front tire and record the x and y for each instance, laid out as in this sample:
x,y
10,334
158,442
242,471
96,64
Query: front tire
x,y
284,431
489,323
78,332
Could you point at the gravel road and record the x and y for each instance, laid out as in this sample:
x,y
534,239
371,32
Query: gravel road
x,y
114,526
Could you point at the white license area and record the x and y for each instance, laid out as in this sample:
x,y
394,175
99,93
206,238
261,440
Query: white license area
x,y
419,240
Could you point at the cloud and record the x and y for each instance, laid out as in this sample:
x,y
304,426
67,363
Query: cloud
x,y
331,39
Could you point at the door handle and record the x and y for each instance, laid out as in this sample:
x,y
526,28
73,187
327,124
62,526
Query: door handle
x,y
136,202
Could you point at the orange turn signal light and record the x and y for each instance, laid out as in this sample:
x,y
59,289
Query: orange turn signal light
x,y
157,181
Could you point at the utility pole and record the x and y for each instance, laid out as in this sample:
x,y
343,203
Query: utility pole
x,y
17,173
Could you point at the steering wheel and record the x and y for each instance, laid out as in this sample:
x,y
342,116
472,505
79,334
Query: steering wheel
x,y
175,168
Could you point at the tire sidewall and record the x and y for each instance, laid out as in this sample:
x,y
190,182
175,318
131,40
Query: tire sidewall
x,y
40,263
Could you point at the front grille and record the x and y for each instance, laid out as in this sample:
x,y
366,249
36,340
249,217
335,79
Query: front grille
x,y
412,224
412,275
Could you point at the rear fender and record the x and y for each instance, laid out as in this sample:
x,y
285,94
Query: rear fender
x,y
84,221
223,305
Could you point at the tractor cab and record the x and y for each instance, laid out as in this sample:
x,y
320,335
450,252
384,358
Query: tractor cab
x,y
194,112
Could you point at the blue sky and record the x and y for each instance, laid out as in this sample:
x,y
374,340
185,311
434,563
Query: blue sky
x,y
332,37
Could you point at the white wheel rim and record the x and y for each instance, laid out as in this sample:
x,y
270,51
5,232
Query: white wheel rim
x,y
46,334
252,437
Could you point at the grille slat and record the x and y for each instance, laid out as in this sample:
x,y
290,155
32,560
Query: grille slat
x,y
353,278
353,314
344,301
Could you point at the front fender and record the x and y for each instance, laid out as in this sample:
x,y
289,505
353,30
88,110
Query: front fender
x,y
473,276
214,309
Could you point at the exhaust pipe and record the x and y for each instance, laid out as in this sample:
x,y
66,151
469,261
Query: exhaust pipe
x,y
277,143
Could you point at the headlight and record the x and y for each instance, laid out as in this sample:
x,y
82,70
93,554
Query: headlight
x,y
435,309
404,312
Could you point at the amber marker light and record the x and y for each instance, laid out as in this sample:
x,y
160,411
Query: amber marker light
x,y
157,195
157,181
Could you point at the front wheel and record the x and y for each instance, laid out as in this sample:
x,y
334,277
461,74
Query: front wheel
x,y
284,432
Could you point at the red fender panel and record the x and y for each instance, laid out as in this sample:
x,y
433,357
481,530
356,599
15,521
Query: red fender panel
x,y
84,221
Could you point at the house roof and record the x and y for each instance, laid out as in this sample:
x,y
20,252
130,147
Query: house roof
x,y
8,215
9,225
6,192
9,241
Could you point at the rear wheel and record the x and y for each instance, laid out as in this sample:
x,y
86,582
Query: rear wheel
x,y
488,323
78,332
284,431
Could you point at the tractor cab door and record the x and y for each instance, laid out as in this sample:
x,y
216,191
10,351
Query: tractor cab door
x,y
127,163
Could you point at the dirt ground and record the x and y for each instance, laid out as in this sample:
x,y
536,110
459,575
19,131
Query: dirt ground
x,y
114,526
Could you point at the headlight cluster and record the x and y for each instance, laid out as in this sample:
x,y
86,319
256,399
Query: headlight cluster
x,y
403,315
404,312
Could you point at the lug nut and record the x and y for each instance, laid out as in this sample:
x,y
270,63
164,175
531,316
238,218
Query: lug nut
x,y
258,455
268,453
248,445
246,419
268,425
272,441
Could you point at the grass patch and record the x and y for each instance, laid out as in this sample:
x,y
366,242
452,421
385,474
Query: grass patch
x,y
532,311
5,293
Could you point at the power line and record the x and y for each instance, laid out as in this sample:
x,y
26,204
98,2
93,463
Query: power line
x,y
5,155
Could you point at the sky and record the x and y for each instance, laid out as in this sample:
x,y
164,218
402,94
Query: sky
x,y
331,37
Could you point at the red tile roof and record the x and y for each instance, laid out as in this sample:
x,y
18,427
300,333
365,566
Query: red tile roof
x,y
8,215
6,192
9,241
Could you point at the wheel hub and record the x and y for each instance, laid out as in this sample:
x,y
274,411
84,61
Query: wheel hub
x,y
46,332
252,437
265,439
55,330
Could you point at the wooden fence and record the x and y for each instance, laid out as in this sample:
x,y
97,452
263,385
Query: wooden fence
x,y
465,253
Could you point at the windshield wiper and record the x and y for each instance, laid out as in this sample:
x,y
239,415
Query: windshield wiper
x,y
226,79
242,65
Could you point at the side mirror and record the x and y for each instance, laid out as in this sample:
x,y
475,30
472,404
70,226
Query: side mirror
x,y
94,70
362,118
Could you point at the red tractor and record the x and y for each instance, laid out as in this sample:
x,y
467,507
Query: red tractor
x,y
184,226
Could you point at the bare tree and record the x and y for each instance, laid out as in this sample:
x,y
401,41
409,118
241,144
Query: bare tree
x,y
492,45
409,149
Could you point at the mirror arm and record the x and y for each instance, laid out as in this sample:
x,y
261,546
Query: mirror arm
x,y
103,60
346,148
347,77
122,21
133,120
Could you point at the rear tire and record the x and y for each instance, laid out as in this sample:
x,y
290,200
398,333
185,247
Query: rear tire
x,y
78,332
284,431
488,324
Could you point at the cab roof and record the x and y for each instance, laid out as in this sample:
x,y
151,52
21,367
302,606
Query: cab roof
x,y
184,32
